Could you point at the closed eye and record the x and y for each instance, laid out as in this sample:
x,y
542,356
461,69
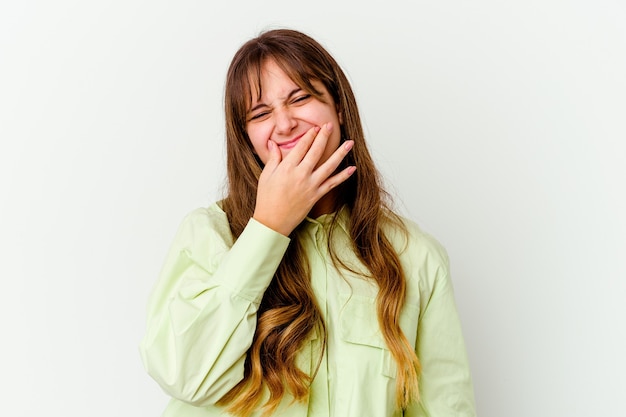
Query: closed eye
x,y
258,116
301,98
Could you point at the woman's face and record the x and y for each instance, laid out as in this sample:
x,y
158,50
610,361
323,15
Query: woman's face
x,y
285,112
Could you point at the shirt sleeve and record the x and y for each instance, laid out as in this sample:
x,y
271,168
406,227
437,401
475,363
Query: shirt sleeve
x,y
201,315
445,383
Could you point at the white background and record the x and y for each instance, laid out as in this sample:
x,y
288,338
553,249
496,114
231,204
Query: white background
x,y
499,126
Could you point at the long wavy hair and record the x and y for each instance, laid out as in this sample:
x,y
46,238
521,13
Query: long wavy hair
x,y
288,313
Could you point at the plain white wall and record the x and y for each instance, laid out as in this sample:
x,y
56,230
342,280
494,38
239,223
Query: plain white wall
x,y
500,127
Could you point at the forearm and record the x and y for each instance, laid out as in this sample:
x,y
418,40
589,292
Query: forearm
x,y
202,315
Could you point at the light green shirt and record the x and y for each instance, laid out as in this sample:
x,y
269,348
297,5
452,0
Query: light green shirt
x,y
202,318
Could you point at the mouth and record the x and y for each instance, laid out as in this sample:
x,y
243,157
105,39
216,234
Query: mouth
x,y
290,143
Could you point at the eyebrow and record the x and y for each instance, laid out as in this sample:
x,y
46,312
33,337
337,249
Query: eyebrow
x,y
261,105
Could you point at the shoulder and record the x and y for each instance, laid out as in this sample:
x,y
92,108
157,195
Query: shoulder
x,y
423,258
409,239
204,228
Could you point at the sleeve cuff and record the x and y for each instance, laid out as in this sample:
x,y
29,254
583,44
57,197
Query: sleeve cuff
x,y
253,260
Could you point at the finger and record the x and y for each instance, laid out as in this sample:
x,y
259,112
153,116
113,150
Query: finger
x,y
336,179
299,151
330,165
317,149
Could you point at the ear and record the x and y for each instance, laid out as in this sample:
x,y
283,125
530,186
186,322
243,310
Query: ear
x,y
339,115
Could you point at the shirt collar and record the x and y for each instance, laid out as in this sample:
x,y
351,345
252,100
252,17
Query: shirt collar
x,y
325,220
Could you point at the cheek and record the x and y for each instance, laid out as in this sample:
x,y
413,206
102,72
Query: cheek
x,y
258,141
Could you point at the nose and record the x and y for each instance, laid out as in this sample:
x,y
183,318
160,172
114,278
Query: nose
x,y
284,121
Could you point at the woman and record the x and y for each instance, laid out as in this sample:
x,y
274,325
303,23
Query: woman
x,y
301,293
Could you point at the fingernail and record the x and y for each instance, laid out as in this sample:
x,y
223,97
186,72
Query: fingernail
x,y
351,170
329,127
270,145
316,128
348,145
